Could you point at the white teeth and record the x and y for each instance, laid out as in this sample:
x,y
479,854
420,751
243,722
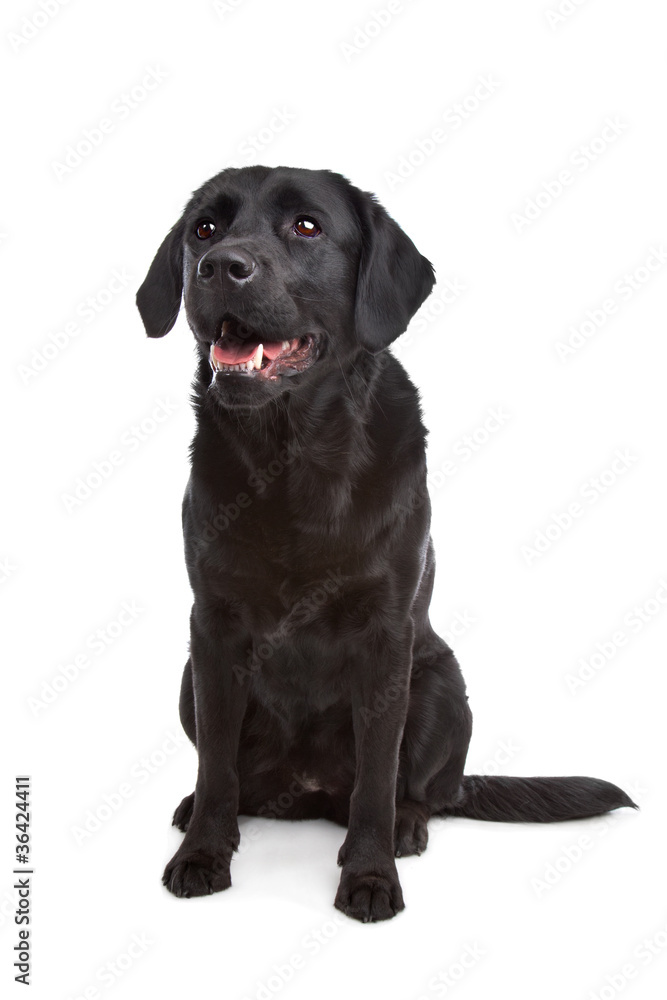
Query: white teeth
x,y
245,366
252,364
285,345
211,357
225,327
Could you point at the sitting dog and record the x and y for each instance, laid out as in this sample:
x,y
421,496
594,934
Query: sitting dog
x,y
316,686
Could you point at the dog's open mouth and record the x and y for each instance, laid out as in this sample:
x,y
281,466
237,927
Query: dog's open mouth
x,y
241,350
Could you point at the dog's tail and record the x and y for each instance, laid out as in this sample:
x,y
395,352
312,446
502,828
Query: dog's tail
x,y
535,800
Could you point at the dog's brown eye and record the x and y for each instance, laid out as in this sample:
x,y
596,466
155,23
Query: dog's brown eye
x,y
204,230
306,227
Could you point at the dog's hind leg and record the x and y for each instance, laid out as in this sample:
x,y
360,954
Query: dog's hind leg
x,y
186,704
186,711
435,743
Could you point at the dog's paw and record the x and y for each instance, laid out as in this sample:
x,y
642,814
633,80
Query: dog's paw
x,y
194,873
183,813
369,896
410,830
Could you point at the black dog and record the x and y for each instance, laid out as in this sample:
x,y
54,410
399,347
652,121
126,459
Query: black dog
x,y
316,686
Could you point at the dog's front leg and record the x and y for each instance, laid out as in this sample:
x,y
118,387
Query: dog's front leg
x,y
201,864
369,888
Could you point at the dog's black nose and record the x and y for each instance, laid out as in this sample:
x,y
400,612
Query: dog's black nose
x,y
231,265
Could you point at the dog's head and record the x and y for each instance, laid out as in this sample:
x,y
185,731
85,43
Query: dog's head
x,y
284,272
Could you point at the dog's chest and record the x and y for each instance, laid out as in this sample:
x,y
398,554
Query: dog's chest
x,y
279,600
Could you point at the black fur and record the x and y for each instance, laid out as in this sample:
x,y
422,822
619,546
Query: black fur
x,y
316,686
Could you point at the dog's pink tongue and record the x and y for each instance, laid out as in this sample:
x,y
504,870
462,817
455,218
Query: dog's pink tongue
x,y
274,348
237,352
233,352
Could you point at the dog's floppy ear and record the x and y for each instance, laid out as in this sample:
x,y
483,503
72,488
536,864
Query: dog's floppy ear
x,y
393,280
159,298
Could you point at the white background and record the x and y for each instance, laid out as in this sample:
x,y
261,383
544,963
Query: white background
x,y
357,109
